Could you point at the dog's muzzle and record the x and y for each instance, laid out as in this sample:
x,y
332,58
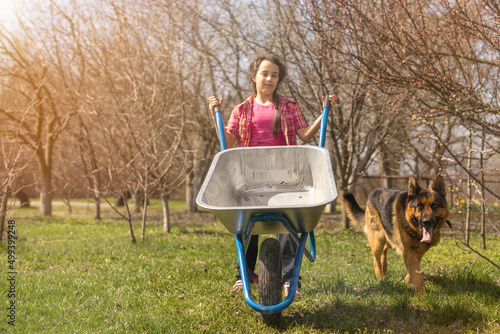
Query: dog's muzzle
x,y
427,227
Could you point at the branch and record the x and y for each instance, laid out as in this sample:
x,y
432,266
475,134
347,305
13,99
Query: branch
x,y
484,257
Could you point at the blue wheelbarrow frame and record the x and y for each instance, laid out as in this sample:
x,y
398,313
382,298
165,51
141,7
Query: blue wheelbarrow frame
x,y
242,238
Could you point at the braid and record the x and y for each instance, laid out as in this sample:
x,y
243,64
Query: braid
x,y
277,114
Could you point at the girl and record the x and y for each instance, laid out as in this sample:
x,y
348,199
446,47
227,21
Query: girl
x,y
268,119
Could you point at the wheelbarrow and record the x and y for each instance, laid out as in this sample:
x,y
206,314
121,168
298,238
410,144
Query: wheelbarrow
x,y
270,190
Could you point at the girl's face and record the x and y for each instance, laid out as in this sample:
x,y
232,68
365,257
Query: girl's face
x,y
267,78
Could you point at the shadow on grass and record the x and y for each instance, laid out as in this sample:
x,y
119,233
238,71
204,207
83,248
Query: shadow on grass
x,y
349,317
392,305
466,283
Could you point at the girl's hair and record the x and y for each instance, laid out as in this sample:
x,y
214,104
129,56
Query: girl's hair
x,y
254,67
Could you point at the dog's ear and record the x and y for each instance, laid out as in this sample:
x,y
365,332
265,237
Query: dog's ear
x,y
413,187
439,186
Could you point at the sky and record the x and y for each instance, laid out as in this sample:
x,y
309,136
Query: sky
x,y
7,8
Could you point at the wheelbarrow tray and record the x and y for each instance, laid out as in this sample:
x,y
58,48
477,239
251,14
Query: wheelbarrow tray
x,y
294,181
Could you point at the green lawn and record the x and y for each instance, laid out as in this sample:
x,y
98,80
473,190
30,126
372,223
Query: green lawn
x,y
76,275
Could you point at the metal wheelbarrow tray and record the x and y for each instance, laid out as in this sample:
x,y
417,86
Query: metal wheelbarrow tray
x,y
296,182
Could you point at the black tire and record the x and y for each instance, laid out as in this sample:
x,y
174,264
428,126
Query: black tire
x,y
270,278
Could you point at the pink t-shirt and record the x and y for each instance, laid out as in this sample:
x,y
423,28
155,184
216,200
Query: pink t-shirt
x,y
240,123
262,127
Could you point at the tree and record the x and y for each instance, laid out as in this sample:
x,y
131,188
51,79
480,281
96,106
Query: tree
x,y
41,65
365,118
139,100
219,54
14,160
313,70
442,55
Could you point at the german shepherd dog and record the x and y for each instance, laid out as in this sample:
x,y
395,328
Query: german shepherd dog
x,y
407,221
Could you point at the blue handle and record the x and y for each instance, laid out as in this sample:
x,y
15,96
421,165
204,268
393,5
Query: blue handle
x,y
324,122
312,244
220,128
322,139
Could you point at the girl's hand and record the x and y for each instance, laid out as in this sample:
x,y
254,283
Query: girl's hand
x,y
212,102
333,99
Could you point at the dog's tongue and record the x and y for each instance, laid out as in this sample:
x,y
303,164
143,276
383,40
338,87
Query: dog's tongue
x,y
427,235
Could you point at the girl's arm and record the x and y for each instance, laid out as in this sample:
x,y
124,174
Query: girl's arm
x,y
230,138
306,134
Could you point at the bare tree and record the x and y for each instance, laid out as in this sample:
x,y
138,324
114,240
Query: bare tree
x,y
14,160
219,56
365,118
313,72
38,61
10,169
442,56
138,99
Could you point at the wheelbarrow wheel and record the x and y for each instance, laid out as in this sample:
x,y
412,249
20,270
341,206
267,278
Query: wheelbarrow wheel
x,y
270,278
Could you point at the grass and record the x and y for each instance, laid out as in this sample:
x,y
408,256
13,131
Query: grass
x,y
76,275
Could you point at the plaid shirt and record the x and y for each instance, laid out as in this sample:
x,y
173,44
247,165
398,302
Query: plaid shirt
x,y
240,122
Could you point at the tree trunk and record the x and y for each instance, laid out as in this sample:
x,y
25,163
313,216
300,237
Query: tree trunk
x,y
191,192
483,200
469,192
330,207
387,181
97,195
166,213
97,206
46,196
23,199
131,228
144,215
46,186
194,178
3,210
137,201
343,215
130,225
45,204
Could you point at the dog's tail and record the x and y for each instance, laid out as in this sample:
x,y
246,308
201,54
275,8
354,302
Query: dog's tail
x,y
354,212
